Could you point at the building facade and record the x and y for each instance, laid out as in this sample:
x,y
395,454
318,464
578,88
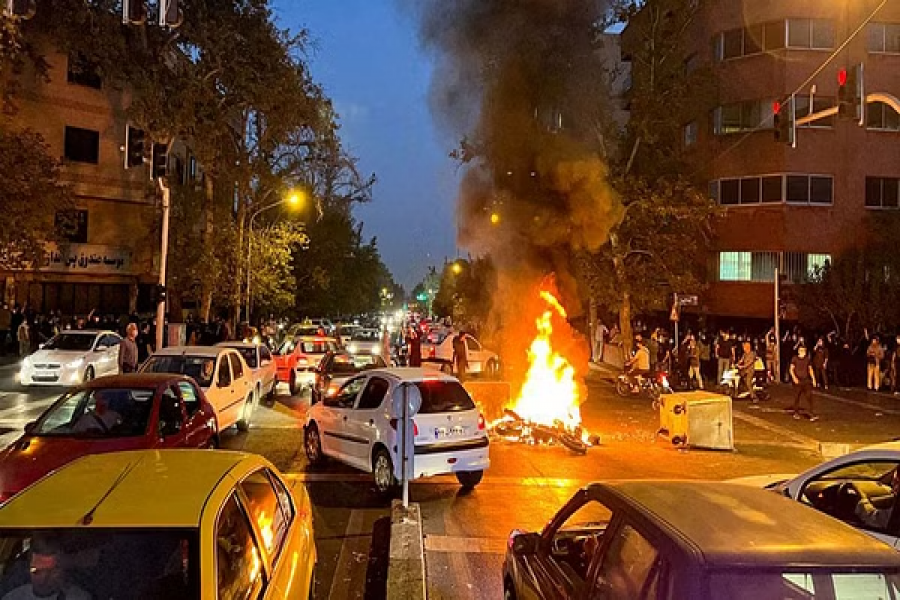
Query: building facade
x,y
793,208
109,260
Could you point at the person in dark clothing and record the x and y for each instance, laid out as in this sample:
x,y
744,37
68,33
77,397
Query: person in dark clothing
x,y
820,363
804,380
144,343
414,342
460,355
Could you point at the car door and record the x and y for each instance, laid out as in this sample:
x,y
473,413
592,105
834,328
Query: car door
x,y
197,427
112,352
223,396
267,367
365,419
474,355
99,357
336,412
172,418
241,377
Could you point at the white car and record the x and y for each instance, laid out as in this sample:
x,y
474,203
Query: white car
x,y
259,358
833,488
364,341
72,357
437,351
356,426
223,374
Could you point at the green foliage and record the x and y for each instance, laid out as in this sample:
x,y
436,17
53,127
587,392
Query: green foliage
x,y
273,282
465,296
31,195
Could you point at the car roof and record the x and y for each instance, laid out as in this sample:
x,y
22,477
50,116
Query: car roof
x,y
85,331
145,488
210,351
414,374
314,338
728,525
134,380
236,345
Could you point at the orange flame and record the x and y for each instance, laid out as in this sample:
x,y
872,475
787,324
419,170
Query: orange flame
x,y
550,392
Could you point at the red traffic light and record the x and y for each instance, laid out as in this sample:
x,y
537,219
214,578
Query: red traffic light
x,y
842,77
776,108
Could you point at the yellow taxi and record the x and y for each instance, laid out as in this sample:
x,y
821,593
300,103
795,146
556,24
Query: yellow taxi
x,y
159,525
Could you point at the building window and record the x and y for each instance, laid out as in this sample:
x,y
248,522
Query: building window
x,y
81,71
881,116
774,34
820,103
742,116
815,34
882,192
884,38
690,134
774,189
816,262
734,266
72,226
730,191
82,145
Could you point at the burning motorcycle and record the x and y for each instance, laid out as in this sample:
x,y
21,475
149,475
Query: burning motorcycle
x,y
651,385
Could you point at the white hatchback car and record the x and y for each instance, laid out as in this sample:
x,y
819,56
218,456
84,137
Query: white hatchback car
x,y
259,358
72,357
356,426
835,488
223,374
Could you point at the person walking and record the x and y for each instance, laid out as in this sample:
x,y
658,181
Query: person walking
x,y
771,351
128,350
820,363
724,354
694,363
414,343
874,356
460,356
804,379
23,335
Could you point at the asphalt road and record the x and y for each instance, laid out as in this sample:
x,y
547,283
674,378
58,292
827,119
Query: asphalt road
x,y
466,532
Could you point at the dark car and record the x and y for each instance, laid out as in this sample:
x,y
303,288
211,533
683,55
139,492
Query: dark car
x,y
698,540
123,412
337,367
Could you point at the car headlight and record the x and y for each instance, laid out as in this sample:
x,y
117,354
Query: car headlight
x,y
352,348
75,363
26,362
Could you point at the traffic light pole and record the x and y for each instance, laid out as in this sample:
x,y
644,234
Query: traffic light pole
x,y
164,252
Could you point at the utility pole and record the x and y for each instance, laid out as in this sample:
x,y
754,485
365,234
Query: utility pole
x,y
164,252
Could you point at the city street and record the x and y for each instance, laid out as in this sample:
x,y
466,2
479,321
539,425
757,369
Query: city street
x,y
466,532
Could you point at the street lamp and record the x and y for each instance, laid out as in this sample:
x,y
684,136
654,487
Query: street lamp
x,y
495,218
457,268
295,198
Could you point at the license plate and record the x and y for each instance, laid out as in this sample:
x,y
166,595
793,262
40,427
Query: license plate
x,y
448,432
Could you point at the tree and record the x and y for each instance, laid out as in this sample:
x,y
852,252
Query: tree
x,y
32,196
465,292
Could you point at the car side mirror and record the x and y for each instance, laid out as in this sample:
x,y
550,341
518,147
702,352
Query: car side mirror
x,y
30,427
525,544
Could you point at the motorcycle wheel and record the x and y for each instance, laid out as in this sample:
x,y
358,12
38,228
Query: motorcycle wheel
x,y
622,388
572,443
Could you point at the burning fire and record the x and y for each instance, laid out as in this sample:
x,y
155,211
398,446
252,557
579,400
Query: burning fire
x,y
549,395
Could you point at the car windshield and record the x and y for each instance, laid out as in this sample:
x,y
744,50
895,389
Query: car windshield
x,y
346,364
201,368
100,563
314,347
366,335
249,355
106,412
443,396
792,584
71,341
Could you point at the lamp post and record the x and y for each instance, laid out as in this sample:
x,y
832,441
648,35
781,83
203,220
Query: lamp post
x,y
163,254
294,199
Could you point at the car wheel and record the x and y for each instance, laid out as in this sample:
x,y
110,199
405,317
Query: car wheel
x,y
469,479
383,470
88,374
292,383
243,423
312,443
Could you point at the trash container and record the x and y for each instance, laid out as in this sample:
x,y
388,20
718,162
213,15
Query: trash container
x,y
698,419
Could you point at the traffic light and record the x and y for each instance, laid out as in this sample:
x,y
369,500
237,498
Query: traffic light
x,y
24,9
784,121
134,147
169,14
160,161
851,94
134,12
159,292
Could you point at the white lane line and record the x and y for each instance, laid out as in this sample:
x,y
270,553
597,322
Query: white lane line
x,y
777,429
356,542
547,482
874,407
465,545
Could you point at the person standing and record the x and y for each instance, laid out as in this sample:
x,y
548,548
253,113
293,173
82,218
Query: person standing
x,y
724,354
771,351
145,342
128,350
704,351
746,369
804,379
694,363
600,332
874,356
5,324
460,355
414,342
820,363
895,369
23,335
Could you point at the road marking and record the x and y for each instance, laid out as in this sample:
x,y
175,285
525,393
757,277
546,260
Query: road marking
x,y
544,482
26,407
465,545
875,407
777,429
356,544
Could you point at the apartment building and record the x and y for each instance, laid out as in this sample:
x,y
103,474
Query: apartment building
x,y
793,208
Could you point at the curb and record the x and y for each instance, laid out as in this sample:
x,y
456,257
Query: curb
x,y
406,569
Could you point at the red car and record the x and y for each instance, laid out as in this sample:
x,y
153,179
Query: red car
x,y
122,412
297,358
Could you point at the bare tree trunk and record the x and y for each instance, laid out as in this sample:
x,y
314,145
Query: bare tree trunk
x,y
240,276
622,282
206,292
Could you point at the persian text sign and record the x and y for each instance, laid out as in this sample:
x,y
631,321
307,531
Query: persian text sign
x,y
87,258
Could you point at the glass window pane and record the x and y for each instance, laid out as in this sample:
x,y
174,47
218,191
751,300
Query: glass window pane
x,y
750,115
821,190
265,511
889,192
891,118
750,192
732,43
873,192
875,115
798,189
892,37
823,34
735,266
753,39
238,562
771,189
628,563
729,190
875,37
730,120
799,33
774,33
